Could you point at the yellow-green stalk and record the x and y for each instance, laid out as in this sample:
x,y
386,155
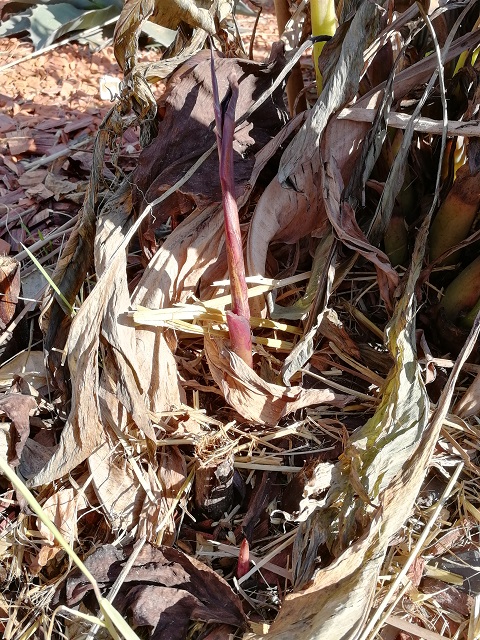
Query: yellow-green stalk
x,y
463,293
324,23
455,218
463,56
468,319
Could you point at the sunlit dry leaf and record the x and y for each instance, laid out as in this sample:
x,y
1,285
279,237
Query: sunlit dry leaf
x,y
172,276
83,431
61,186
29,365
283,215
9,289
116,486
171,475
255,399
291,206
339,88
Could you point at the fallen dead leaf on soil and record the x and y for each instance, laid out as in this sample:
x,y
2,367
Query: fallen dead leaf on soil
x,y
164,589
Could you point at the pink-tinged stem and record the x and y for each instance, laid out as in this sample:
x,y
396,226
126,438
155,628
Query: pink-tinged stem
x,y
238,319
243,565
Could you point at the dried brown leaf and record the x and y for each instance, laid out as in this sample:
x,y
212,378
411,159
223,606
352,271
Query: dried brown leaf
x,y
342,218
447,596
469,403
168,13
163,576
116,486
9,289
374,487
18,408
62,509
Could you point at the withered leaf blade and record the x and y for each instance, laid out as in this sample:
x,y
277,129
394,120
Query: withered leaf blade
x,y
181,587
342,218
167,13
469,403
339,88
374,488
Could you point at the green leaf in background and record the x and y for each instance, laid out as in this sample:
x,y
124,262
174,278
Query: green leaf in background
x,y
49,20
160,34
16,24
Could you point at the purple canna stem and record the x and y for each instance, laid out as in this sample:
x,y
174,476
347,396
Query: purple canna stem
x,y
238,319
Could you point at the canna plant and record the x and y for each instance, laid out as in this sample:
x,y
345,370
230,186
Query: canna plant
x,y
238,319
456,216
462,296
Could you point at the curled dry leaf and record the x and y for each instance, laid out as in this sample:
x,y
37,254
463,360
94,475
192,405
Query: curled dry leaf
x,y
116,486
18,408
291,206
168,13
339,88
255,399
342,218
83,432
